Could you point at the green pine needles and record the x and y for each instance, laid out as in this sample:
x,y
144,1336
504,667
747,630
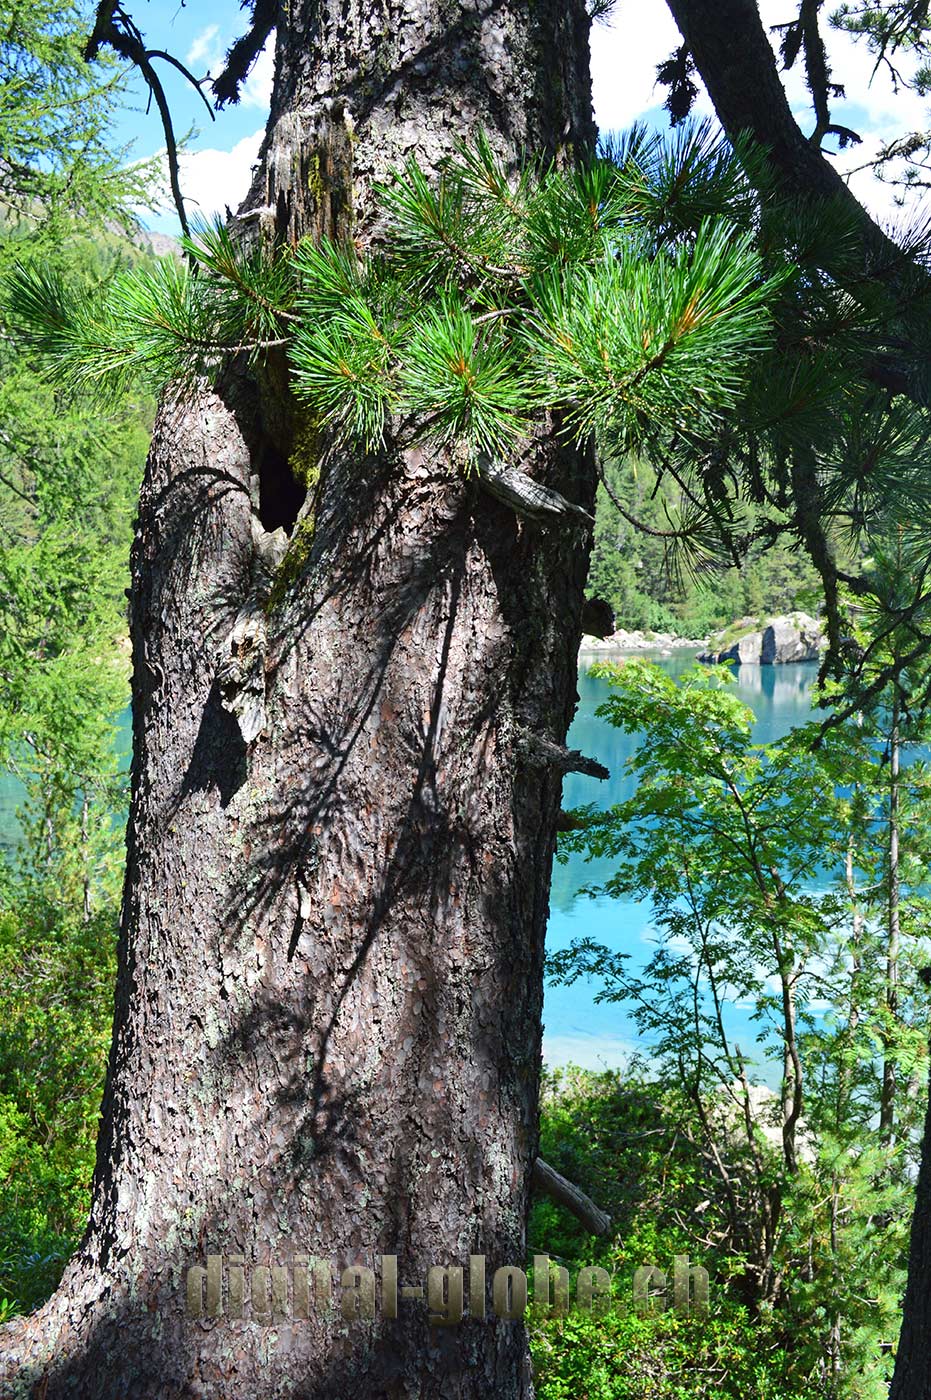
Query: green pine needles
x,y
608,294
659,298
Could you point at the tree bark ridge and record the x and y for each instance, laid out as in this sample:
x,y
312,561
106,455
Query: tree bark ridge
x,y
327,1025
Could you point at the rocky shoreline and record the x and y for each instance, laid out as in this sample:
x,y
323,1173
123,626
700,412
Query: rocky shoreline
x,y
622,641
794,636
791,637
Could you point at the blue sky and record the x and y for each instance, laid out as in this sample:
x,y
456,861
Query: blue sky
x,y
221,152
216,169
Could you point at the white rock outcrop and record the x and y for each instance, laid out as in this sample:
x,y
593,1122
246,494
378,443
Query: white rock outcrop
x,y
793,637
636,641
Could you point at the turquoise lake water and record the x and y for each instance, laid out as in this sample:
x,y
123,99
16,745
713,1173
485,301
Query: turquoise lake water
x,y
577,1030
12,794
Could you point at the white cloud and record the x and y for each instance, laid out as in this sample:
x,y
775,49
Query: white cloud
x,y
205,50
208,52
214,179
211,180
624,58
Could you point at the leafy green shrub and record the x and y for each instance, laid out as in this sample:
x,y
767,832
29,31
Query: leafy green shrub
x,y
56,979
632,1142
622,1356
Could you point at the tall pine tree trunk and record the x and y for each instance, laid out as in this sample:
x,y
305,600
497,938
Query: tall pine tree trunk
x,y
911,1378
327,1030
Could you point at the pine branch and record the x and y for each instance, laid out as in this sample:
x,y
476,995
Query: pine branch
x,y
114,27
544,753
185,73
817,73
549,1181
245,51
637,318
527,497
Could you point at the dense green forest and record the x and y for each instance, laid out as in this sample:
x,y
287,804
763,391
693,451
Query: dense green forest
x,y
651,587
788,877
69,481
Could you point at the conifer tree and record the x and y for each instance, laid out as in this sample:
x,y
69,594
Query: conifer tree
x,y
69,480
357,585
357,588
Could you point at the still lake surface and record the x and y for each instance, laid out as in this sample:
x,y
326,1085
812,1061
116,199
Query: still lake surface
x,y
577,1030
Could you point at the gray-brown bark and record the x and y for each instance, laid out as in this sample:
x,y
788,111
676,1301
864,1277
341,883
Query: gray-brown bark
x,y
736,62
327,1029
738,67
572,1197
911,1379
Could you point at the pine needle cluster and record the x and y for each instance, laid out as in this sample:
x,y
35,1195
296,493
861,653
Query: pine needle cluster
x,y
610,294
660,296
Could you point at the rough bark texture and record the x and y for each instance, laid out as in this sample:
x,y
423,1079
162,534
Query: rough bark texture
x,y
732,53
911,1379
327,1031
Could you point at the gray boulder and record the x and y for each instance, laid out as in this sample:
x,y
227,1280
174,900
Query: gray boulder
x,y
792,637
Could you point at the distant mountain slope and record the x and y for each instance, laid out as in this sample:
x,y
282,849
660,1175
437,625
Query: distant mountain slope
x,y
161,244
